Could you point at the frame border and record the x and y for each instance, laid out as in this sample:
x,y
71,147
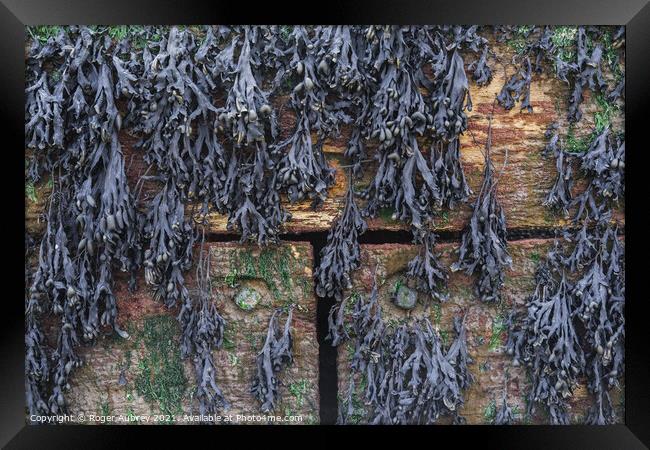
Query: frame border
x,y
635,14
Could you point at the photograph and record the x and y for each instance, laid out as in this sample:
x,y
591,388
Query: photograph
x,y
324,224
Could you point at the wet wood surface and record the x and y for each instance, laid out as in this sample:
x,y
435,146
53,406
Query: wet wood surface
x,y
525,176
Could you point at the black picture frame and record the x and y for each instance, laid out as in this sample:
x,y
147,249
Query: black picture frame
x,y
635,14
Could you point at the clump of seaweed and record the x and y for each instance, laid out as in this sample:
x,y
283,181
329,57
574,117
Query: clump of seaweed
x,y
427,270
484,244
341,254
202,334
409,377
276,354
549,346
559,197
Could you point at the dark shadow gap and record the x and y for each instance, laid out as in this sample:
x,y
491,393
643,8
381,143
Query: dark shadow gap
x,y
402,236
328,376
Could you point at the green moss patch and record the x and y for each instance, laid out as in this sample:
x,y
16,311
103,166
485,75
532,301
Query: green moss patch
x,y
160,377
564,40
499,329
490,412
298,390
273,266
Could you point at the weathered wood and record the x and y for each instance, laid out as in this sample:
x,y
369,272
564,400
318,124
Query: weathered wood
x,y
527,176
283,275
525,181
486,333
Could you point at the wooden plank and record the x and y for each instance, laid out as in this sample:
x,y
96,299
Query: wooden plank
x,y
485,334
281,274
525,181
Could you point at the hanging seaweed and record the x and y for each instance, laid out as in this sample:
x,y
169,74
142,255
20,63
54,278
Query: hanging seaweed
x,y
549,346
504,414
204,107
174,99
600,295
559,196
484,245
399,114
180,82
44,103
604,161
251,196
36,364
169,254
340,59
275,356
36,361
617,92
341,254
427,270
258,214
458,357
604,165
247,115
450,101
517,89
595,298
576,55
449,175
343,68
481,71
92,224
55,279
588,73
303,170
202,334
542,48
409,377
467,36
